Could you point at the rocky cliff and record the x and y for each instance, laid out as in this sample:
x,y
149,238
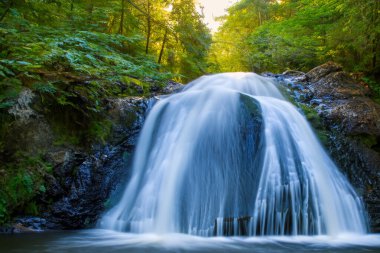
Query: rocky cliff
x,y
67,184
348,122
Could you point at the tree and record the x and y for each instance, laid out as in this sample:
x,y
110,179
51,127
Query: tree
x,y
274,35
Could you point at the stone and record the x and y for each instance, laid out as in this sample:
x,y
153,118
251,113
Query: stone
x,y
352,122
172,87
58,157
321,71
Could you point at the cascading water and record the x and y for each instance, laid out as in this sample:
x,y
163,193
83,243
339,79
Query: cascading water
x,y
230,156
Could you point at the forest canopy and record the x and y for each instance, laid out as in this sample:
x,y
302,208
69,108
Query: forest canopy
x,y
275,35
108,39
113,41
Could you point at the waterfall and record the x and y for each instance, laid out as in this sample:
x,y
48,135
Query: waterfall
x,y
230,156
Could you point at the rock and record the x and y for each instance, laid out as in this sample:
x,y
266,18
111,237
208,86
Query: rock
x,y
357,115
22,110
352,122
79,181
30,224
25,225
88,186
6,229
19,228
58,157
337,85
169,88
30,132
82,182
345,102
294,73
172,87
127,115
321,71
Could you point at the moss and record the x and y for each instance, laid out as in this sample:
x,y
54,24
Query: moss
x,y
316,122
31,208
369,141
311,115
374,86
136,87
21,181
100,130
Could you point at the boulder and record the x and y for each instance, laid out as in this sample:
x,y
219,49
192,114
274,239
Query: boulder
x,y
319,72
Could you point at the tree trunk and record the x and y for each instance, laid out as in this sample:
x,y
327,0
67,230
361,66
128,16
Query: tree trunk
x,y
163,46
148,29
122,17
111,24
260,21
6,11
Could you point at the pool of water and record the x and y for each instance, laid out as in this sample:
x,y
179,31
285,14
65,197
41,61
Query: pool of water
x,y
97,240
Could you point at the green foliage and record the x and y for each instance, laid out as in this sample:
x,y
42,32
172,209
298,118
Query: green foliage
x,y
47,87
9,90
99,130
75,54
195,40
261,35
21,181
375,88
368,140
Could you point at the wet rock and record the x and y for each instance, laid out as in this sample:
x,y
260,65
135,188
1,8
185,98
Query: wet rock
x,y
82,182
352,122
25,225
172,87
30,224
6,230
168,88
19,228
128,116
357,115
87,188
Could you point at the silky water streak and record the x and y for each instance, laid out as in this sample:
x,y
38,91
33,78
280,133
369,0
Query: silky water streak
x,y
230,156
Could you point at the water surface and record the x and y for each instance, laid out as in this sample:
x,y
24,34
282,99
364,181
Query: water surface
x,y
98,240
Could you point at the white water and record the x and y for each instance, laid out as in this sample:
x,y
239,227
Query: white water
x,y
230,156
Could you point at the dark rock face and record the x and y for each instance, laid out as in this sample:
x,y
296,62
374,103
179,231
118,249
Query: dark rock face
x,y
352,121
30,131
83,182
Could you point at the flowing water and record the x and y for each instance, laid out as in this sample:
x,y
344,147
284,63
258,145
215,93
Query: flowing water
x,y
230,156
